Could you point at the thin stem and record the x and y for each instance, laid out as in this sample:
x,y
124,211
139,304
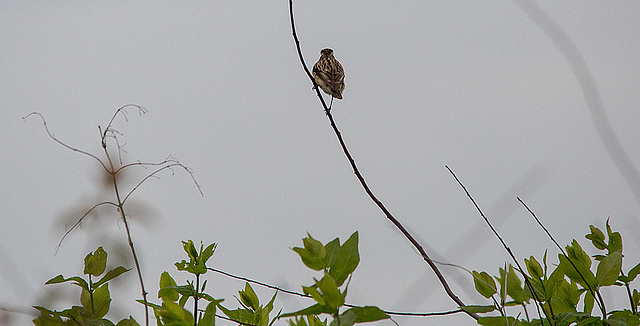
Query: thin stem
x,y
195,299
513,257
80,221
46,128
386,212
113,172
593,292
415,314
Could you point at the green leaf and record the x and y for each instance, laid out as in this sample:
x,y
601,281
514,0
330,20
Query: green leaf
x,y
101,300
316,309
588,302
207,253
167,288
565,297
496,321
95,262
190,249
249,297
609,269
48,318
478,309
632,274
111,275
534,268
331,249
484,283
313,254
346,260
99,322
77,280
347,318
624,316
330,292
128,322
85,300
514,287
368,313
597,238
314,293
197,261
209,316
172,313
615,240
579,271
313,320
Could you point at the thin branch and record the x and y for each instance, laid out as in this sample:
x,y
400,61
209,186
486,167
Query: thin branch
x,y
386,212
279,289
46,128
80,221
169,166
513,257
122,111
597,298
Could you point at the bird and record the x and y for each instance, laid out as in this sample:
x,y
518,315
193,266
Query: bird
x,y
328,74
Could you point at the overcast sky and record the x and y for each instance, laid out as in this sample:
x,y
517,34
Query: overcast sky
x,y
477,86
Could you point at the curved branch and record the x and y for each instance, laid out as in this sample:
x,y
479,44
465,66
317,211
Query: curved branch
x,y
386,212
46,128
122,109
145,164
169,166
80,221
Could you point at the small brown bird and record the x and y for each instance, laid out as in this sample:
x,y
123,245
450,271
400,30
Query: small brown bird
x,y
328,74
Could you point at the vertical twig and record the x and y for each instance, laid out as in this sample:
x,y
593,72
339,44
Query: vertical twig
x,y
113,172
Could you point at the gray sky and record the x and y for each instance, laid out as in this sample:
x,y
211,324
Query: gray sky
x,y
474,85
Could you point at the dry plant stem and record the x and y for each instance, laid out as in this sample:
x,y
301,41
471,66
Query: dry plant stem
x,y
120,203
596,293
364,184
513,257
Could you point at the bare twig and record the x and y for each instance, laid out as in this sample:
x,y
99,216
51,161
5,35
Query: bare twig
x,y
46,128
513,257
74,226
152,174
596,294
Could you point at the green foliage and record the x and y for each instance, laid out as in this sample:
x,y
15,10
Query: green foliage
x,y
95,297
197,263
337,263
174,297
251,311
558,294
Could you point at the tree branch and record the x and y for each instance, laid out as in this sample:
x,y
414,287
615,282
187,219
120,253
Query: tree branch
x,y
352,162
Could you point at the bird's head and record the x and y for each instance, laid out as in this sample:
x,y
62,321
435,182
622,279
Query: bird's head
x,y
326,52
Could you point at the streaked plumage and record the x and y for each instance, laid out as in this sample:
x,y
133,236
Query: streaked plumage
x,y
328,74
